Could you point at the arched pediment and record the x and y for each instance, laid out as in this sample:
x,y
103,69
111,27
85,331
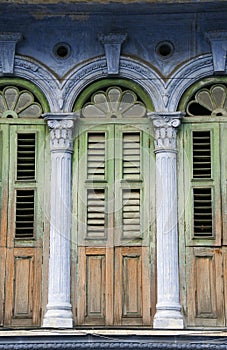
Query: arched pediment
x,y
144,76
186,76
41,77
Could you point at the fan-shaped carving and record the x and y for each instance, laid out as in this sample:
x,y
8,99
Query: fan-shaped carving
x,y
211,101
114,103
16,103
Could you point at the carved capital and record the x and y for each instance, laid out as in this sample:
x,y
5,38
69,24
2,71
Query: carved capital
x,y
61,131
165,126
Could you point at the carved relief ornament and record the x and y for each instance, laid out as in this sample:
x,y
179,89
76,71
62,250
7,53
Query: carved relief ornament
x,y
61,133
165,127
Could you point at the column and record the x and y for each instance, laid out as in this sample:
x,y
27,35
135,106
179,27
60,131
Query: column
x,y
168,310
59,309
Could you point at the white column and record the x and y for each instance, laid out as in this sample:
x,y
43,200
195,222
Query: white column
x,y
59,309
168,308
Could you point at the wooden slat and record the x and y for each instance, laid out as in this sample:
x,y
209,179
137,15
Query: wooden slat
x,y
96,156
26,156
201,154
203,223
96,213
131,156
131,213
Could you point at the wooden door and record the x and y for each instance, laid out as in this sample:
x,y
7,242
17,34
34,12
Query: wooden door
x,y
115,283
22,223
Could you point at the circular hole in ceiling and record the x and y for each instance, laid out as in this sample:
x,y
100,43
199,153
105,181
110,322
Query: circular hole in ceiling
x,y
165,49
62,50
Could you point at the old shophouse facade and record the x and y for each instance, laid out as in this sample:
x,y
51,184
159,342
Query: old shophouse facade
x,y
113,167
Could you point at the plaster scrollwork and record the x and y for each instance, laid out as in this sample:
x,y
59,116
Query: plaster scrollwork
x,y
165,127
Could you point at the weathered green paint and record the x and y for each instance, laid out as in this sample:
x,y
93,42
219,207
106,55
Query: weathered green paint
x,y
105,83
29,86
197,86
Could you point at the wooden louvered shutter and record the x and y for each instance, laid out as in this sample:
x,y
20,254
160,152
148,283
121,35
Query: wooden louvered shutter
x,y
4,163
202,176
25,229
203,225
113,227
132,298
95,262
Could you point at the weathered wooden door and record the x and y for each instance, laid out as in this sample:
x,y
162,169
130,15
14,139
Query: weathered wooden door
x,y
21,176
113,270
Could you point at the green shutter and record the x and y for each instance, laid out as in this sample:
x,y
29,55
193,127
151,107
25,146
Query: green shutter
x,y
26,181
202,179
111,188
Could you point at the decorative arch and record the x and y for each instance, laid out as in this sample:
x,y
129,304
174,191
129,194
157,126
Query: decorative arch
x,y
209,95
130,69
40,77
120,94
190,73
20,98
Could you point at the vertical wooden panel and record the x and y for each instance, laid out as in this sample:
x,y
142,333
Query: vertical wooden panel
x,y
91,307
2,282
95,286
81,288
23,286
132,286
205,287
205,295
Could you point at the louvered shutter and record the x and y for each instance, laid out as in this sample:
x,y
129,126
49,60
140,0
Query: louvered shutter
x,y
113,201
202,175
25,224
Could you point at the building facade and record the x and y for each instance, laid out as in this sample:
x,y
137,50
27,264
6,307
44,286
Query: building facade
x,y
113,170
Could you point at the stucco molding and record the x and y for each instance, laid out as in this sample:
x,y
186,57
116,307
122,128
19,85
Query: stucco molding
x,y
112,43
165,127
8,43
40,76
186,76
218,42
129,68
61,134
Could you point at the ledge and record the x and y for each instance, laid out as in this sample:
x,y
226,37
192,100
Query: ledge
x,y
113,339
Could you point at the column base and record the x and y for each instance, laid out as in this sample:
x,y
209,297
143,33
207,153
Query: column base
x,y
168,319
58,318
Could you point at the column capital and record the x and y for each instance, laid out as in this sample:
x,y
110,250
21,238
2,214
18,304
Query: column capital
x,y
61,127
165,126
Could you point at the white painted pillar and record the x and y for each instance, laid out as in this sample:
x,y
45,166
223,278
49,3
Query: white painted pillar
x,y
59,309
168,309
